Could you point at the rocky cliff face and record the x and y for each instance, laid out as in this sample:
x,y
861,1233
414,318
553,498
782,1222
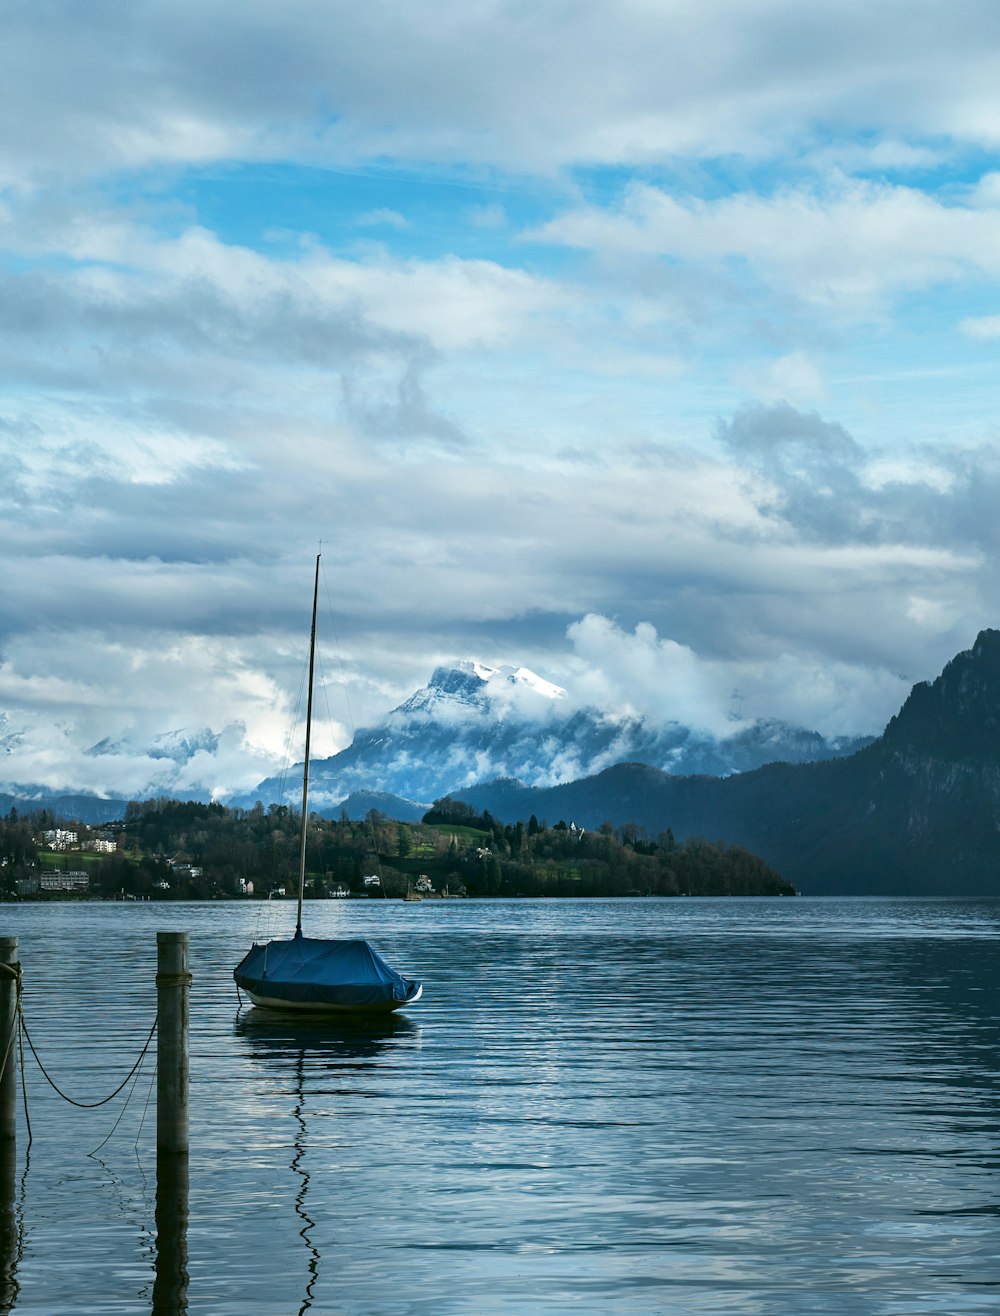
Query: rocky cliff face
x,y
957,716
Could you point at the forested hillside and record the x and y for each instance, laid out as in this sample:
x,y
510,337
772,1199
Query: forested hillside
x,y
172,850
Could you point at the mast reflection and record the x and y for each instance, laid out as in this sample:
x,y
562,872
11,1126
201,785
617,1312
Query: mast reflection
x,y
298,1167
308,1047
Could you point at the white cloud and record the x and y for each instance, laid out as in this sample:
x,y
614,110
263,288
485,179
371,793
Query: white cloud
x,y
845,249
496,438
832,697
884,155
793,377
383,215
455,303
664,681
643,674
981,326
57,695
492,216
198,286
490,84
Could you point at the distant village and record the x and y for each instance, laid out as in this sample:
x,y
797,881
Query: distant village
x,y
173,850
66,861
80,840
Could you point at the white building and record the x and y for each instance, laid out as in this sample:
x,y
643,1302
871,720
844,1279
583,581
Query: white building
x,y
60,839
55,881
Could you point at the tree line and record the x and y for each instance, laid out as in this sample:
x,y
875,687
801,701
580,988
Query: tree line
x,y
171,849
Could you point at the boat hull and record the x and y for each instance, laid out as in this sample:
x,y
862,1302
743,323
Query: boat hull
x,y
318,1008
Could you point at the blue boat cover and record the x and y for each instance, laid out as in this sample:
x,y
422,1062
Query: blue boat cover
x,y
313,969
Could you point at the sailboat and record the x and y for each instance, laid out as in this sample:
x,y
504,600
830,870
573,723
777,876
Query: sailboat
x,y
313,975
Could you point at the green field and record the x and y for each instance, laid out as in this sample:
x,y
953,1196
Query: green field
x,y
463,833
67,861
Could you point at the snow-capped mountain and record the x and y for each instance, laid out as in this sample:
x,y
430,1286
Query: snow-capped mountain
x,y
179,746
9,738
473,723
473,685
198,764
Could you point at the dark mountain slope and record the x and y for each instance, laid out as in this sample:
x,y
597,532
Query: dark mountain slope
x,y
915,813
84,808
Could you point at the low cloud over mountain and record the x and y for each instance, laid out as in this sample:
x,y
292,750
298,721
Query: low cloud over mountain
x,y
473,723
913,813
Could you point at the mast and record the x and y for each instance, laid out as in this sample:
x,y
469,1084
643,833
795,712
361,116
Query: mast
x,y
305,770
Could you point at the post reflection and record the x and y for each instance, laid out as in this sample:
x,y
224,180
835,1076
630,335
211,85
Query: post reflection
x,y
313,1047
11,1233
171,1283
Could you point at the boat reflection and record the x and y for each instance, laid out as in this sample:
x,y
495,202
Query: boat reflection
x,y
304,1048
271,1033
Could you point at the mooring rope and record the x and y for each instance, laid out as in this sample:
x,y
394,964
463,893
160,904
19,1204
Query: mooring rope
x,y
152,1080
121,1113
87,1105
24,1086
12,971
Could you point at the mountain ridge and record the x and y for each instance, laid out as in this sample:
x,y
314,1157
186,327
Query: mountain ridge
x,y
472,723
916,812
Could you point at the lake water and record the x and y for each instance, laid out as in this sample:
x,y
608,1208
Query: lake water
x,y
637,1106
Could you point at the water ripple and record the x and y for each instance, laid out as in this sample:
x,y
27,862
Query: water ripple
x,y
689,1106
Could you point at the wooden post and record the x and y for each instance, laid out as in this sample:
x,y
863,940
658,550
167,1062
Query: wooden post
x,y
9,968
9,1240
173,981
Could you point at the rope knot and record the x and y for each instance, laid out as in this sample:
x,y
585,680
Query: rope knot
x,y
174,980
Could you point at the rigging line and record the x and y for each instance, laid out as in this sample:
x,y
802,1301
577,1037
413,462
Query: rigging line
x,y
322,683
124,1108
378,857
264,913
87,1105
293,723
305,764
152,1080
340,656
329,714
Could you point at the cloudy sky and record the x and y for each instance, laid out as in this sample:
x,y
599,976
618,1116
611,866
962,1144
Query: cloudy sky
x,y
650,345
